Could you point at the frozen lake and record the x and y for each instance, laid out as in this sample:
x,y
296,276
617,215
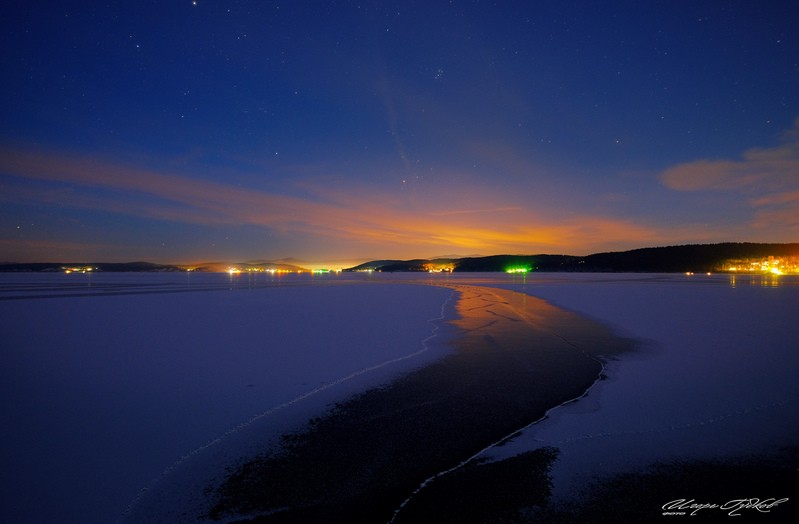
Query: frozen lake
x,y
715,376
109,380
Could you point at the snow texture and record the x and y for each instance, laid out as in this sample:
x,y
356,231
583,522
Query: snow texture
x,y
715,375
106,393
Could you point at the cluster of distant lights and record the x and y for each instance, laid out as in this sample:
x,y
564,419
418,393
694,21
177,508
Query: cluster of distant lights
x,y
430,268
69,270
273,271
767,265
439,268
766,271
773,270
764,267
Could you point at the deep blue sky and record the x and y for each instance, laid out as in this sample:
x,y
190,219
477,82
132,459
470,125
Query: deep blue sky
x,y
175,131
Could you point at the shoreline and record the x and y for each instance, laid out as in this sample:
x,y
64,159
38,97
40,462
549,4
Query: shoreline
x,y
515,358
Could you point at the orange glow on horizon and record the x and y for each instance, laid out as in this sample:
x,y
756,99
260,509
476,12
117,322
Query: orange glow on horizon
x,y
468,219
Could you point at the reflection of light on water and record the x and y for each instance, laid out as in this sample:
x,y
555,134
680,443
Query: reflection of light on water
x,y
763,280
520,277
767,280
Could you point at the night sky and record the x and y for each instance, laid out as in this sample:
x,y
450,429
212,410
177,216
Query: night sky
x,y
180,131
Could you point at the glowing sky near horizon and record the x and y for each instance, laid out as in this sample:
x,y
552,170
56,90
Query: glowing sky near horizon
x,y
193,131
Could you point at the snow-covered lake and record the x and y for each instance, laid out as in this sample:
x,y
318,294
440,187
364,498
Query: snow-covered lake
x,y
109,380
104,389
714,377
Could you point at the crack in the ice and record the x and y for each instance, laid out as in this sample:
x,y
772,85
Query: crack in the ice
x,y
307,394
672,427
505,438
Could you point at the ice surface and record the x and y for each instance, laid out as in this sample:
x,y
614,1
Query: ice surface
x,y
715,376
108,381
106,389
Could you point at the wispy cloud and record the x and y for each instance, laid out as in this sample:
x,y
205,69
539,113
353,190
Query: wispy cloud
x,y
466,217
767,179
476,211
772,169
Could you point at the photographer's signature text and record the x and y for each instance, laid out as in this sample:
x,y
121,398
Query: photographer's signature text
x,y
733,507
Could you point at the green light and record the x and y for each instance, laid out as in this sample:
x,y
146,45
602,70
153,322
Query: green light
x,y
519,269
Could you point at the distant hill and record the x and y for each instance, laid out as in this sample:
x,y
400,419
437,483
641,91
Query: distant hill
x,y
697,257
669,259
142,267
118,267
221,267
